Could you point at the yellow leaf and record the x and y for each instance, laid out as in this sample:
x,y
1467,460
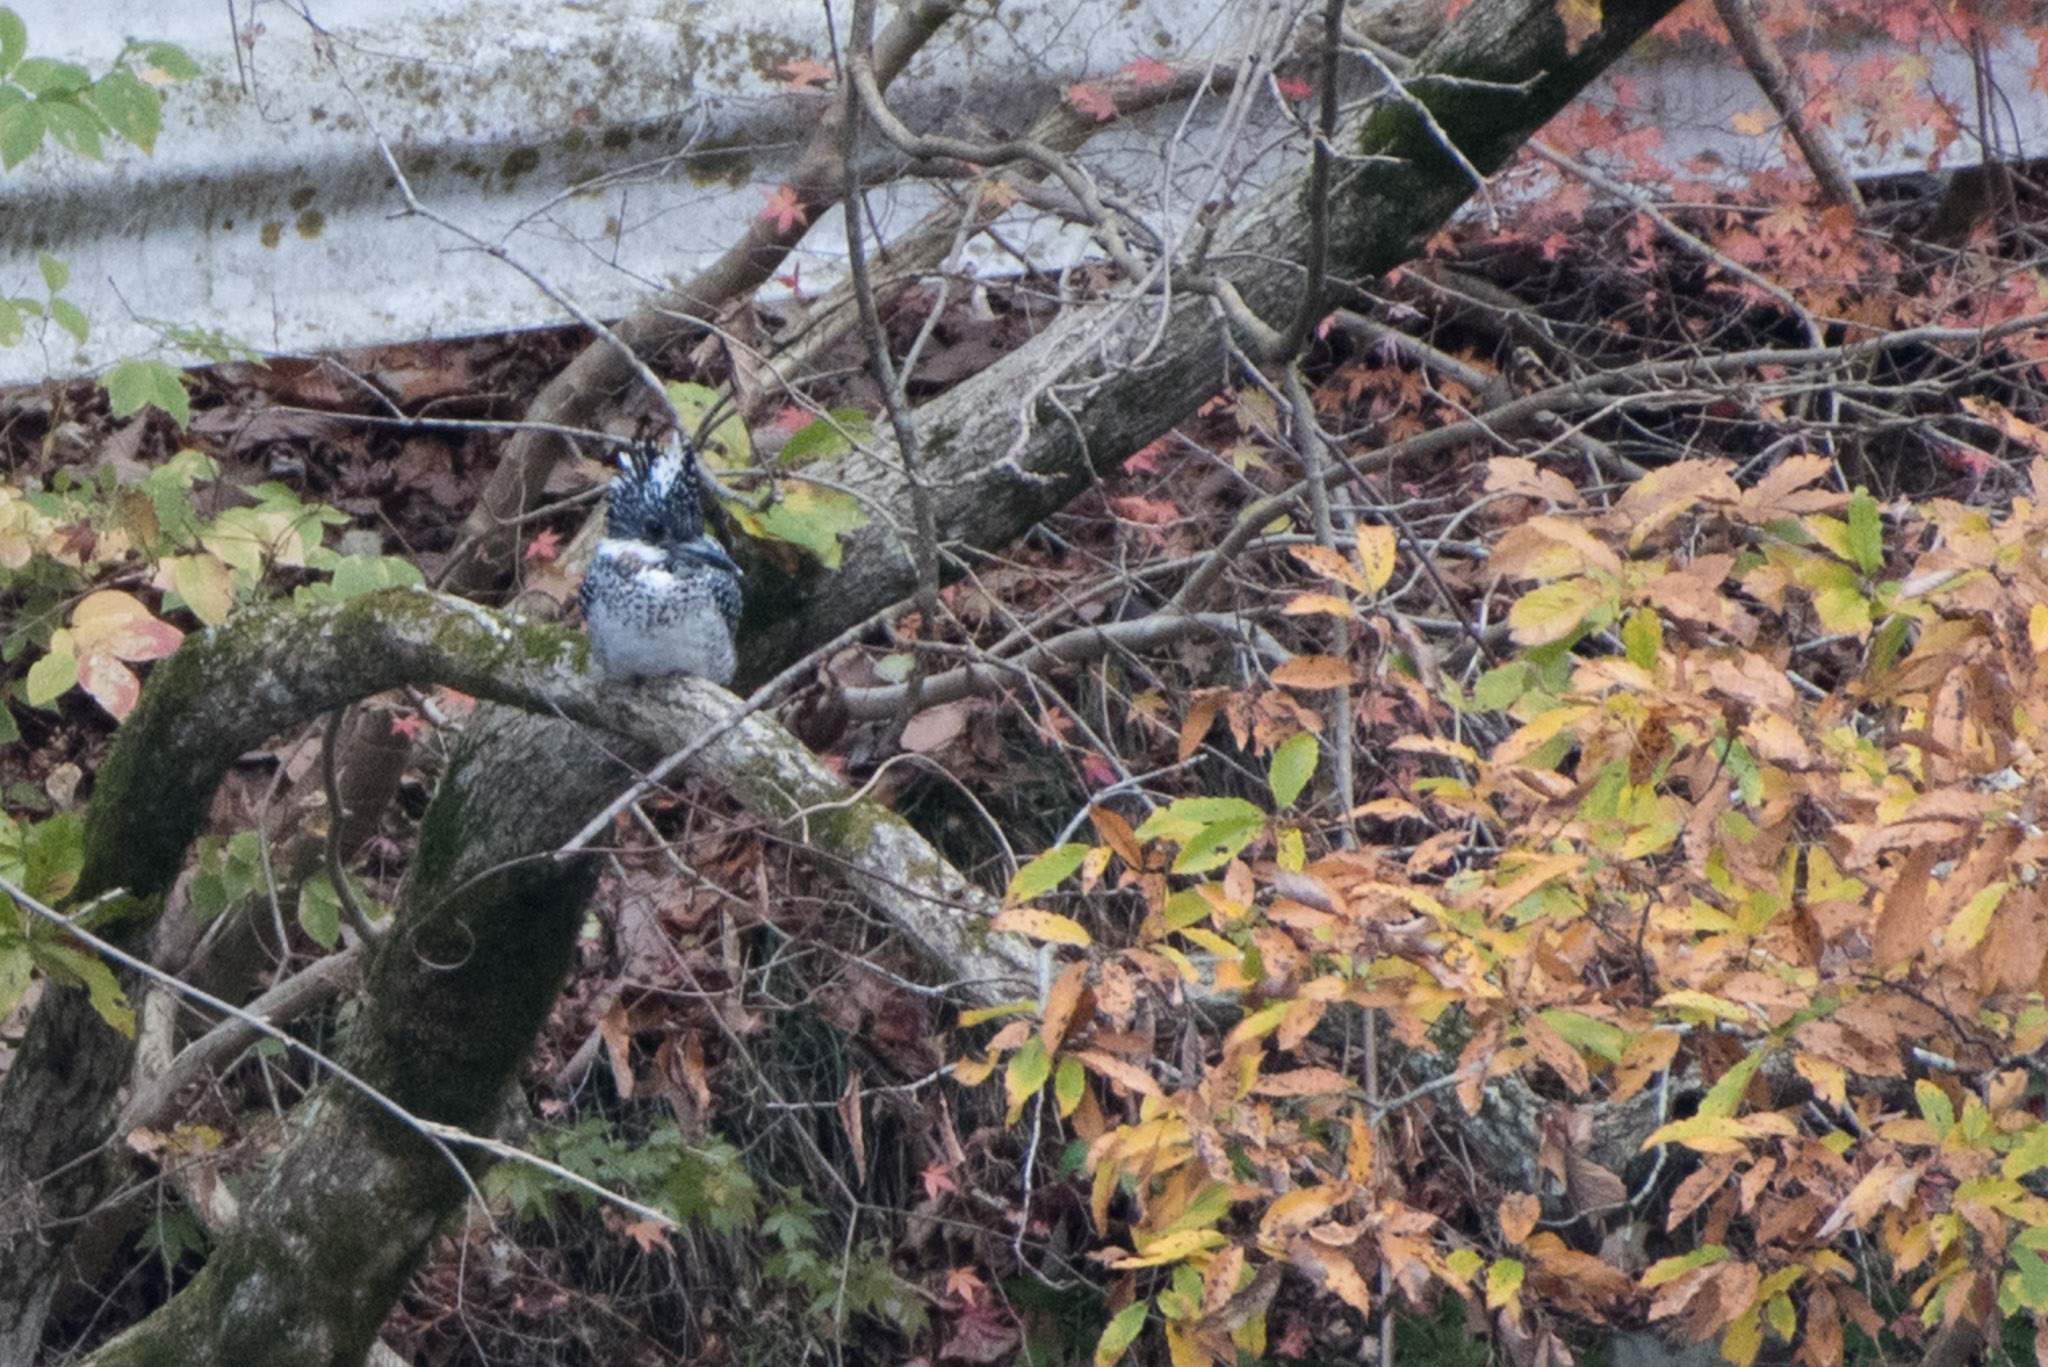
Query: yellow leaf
x,y
1317,604
1551,612
1751,122
1330,565
1173,1248
1581,22
1301,1208
113,623
1376,555
1043,925
2037,627
206,585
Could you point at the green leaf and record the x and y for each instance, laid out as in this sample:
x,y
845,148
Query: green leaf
x,y
74,127
694,403
356,575
1725,1095
320,911
832,435
21,132
1182,818
1027,1071
1502,687
1503,1280
1552,612
1583,1032
1046,872
1294,764
10,323
1214,846
56,275
50,678
131,109
13,41
76,965
1642,636
52,853
17,965
67,316
47,79
1067,1083
1122,1333
1866,532
134,383
813,517
1670,1269
171,59
1935,1107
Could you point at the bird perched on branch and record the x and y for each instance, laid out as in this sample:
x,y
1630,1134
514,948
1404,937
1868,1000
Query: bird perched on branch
x,y
662,597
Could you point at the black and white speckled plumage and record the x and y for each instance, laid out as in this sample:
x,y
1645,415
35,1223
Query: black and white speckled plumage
x,y
661,597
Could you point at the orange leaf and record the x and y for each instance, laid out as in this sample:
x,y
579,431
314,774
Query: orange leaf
x,y
1117,834
1128,1076
1518,1212
109,681
1313,671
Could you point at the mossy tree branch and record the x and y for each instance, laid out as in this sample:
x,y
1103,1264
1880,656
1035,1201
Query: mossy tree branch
x,y
268,671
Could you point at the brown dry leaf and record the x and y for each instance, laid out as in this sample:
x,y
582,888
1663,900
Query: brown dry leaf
x,y
934,726
1889,1183
1518,475
1783,493
1647,1055
1662,494
1699,1184
615,1027
1752,681
851,1116
1060,1001
1548,548
1303,1082
1904,927
1116,833
1335,1270
1201,716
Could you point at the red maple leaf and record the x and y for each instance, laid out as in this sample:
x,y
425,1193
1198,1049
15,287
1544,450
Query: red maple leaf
x,y
806,72
410,725
937,1179
784,209
1145,460
1148,71
1294,88
545,546
1100,104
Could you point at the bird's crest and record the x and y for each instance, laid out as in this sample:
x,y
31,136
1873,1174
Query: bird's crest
x,y
656,496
